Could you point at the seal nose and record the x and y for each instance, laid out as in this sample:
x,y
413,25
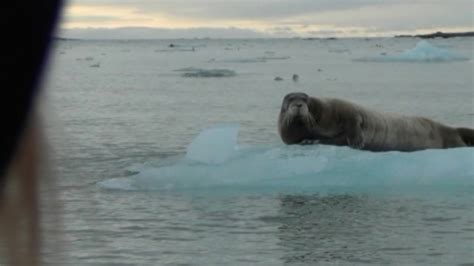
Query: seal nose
x,y
299,105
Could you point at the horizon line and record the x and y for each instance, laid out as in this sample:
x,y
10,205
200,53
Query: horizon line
x,y
432,34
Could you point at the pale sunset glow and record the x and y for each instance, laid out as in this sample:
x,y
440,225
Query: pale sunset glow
x,y
273,18
109,16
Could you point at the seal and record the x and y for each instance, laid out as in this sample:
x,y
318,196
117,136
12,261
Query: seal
x,y
295,77
306,120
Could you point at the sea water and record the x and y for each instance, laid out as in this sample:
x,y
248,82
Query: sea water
x,y
159,167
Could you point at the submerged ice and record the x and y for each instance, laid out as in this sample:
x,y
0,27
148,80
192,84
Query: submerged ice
x,y
214,160
422,52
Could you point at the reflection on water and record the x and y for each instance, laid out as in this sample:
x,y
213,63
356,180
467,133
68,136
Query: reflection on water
x,y
361,229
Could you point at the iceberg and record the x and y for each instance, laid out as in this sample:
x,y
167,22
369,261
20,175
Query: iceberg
x,y
215,161
215,145
422,52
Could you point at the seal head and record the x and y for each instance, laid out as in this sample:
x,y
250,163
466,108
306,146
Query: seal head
x,y
295,122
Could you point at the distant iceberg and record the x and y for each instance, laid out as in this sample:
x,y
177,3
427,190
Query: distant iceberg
x,y
192,72
214,161
422,52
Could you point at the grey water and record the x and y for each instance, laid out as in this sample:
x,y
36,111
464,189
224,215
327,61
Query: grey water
x,y
111,105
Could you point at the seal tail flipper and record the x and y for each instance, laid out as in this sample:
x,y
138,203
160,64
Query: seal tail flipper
x,y
467,135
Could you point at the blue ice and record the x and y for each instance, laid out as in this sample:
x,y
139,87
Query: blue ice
x,y
422,52
215,160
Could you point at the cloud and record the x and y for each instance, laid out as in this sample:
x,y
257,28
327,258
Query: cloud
x,y
274,9
300,17
131,33
408,16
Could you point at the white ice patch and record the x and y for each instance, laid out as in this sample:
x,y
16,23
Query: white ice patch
x,y
214,161
214,145
422,52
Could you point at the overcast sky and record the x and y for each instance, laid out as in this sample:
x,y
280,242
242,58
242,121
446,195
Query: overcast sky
x,y
263,18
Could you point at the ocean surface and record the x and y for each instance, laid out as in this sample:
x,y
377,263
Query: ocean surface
x,y
166,152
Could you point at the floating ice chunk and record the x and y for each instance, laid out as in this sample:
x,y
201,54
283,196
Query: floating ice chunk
x,y
175,50
205,73
172,47
89,58
95,65
244,60
422,52
210,73
213,162
340,51
214,145
187,69
268,58
261,59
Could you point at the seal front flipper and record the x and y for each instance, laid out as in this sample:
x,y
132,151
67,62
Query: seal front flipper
x,y
467,135
353,129
309,142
